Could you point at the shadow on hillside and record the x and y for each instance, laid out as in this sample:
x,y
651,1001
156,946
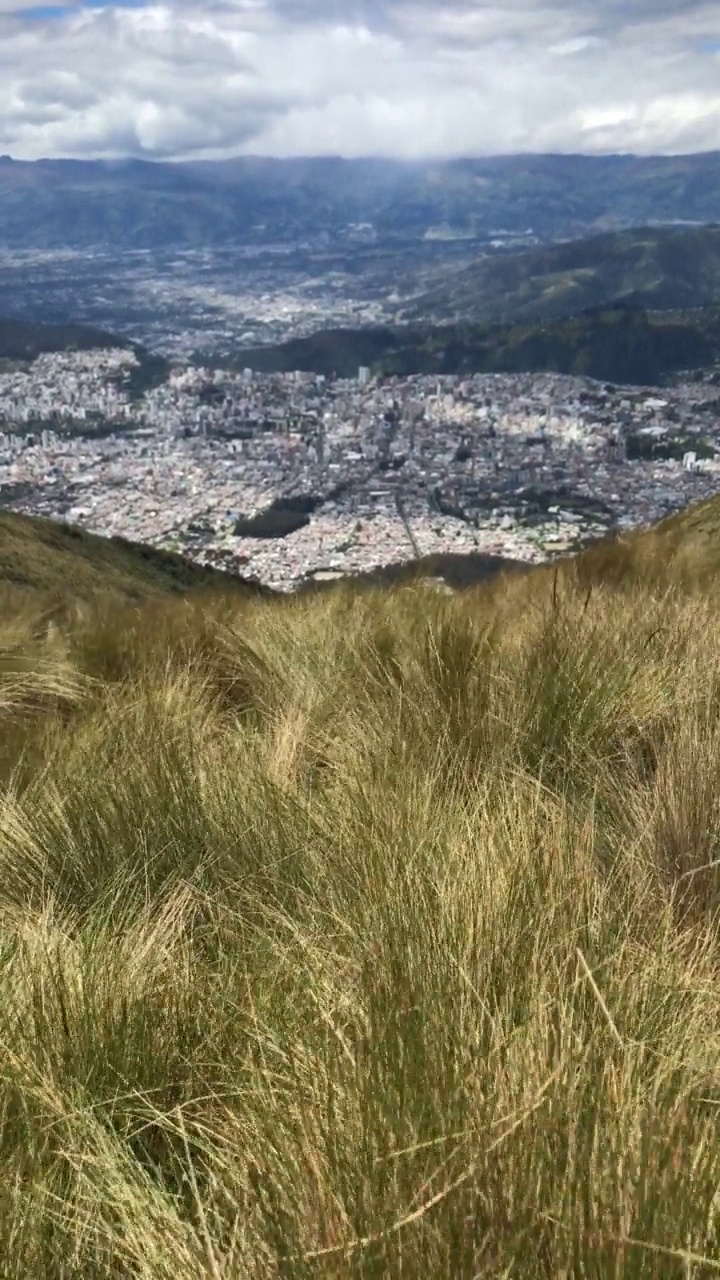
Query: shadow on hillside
x,y
458,571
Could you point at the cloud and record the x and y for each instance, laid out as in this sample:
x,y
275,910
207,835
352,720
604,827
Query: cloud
x,y
386,77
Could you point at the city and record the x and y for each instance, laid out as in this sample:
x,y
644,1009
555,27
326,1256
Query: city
x,y
363,472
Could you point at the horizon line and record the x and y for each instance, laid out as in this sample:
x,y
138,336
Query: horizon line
x,y
130,158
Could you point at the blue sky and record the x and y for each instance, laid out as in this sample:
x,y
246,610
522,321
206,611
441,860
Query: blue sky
x,y
44,13
171,79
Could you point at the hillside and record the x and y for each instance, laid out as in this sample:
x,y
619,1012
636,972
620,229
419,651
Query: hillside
x,y
370,934
22,341
50,561
685,546
615,344
42,556
651,267
139,204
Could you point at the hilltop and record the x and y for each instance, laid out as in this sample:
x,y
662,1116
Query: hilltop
x,y
682,548
652,267
22,340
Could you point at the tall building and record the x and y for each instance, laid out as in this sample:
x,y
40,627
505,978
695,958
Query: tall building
x,y
320,444
363,375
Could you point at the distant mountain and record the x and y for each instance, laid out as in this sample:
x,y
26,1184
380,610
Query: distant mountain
x,y
649,267
138,204
615,344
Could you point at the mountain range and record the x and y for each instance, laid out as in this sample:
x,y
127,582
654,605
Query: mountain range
x,y
636,305
137,204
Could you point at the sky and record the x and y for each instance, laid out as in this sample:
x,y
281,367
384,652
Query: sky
x,y
411,79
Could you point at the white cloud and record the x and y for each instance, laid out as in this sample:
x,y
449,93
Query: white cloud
x,y
354,77
566,48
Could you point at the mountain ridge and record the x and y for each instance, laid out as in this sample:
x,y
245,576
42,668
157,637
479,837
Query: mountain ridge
x,y
648,267
36,554
135,204
613,344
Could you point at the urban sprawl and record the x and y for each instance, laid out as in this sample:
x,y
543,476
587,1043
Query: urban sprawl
x,y
350,474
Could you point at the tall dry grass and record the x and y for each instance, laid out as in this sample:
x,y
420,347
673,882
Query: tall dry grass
x,y
362,936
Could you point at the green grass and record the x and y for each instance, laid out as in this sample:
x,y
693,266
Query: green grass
x,y
363,934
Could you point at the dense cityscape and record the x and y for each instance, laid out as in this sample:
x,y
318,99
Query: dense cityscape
x,y
290,477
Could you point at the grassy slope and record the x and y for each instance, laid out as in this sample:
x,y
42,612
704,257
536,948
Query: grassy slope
x,y
365,934
693,533
45,557
38,555
684,549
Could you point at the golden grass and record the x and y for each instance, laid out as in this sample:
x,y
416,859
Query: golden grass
x,y
47,557
362,935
